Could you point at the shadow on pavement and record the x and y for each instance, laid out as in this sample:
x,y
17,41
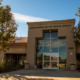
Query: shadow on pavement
x,y
39,75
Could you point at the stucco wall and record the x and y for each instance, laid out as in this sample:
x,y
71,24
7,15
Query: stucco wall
x,y
16,49
13,50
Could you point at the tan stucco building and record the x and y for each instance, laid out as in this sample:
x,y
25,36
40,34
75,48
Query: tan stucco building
x,y
17,51
51,44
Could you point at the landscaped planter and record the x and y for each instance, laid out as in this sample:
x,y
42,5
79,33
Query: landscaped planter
x,y
73,67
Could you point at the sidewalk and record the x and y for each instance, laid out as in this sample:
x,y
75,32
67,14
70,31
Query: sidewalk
x,y
40,75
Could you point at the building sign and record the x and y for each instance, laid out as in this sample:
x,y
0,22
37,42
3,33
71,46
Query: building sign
x,y
50,26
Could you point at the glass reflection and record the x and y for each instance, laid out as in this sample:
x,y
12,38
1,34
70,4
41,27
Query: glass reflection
x,y
46,35
47,58
39,60
54,64
47,42
40,42
47,64
40,50
55,59
62,50
54,45
62,53
51,44
46,49
54,35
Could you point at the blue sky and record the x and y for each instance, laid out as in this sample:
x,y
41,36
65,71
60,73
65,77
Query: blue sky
x,y
41,10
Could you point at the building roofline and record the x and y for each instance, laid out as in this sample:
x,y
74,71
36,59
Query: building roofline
x,y
18,44
51,22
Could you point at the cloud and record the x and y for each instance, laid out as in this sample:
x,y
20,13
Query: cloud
x,y
25,18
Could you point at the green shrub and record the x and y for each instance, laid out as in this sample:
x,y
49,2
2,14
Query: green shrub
x,y
2,64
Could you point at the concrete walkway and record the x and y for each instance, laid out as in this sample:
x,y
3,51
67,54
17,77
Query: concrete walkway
x,y
40,75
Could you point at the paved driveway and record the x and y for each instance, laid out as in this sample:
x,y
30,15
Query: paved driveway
x,y
40,75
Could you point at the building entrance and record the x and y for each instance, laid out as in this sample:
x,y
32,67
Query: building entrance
x,y
51,51
50,60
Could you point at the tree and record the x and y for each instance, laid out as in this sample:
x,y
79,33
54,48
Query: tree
x,y
8,27
77,33
77,29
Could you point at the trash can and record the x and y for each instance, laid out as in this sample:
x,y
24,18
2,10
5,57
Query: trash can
x,y
27,66
73,67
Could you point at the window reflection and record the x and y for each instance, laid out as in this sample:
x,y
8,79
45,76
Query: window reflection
x,y
46,35
54,64
54,35
39,60
54,45
47,42
47,64
40,42
46,49
46,57
40,49
51,44
62,53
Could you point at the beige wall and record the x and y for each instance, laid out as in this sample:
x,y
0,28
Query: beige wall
x,y
13,50
19,47
64,28
16,49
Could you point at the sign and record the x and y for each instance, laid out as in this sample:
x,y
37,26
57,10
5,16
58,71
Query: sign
x,y
50,26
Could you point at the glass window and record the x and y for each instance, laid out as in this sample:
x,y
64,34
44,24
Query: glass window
x,y
39,60
46,57
54,57
51,44
39,57
40,49
54,35
47,64
62,53
54,64
47,42
46,35
40,42
62,50
54,45
46,49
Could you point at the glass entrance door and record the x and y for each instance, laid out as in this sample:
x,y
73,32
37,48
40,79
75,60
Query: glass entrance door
x,y
50,60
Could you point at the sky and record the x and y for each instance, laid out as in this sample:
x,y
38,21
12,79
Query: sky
x,y
41,10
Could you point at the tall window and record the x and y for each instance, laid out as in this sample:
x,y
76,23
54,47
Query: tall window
x,y
51,44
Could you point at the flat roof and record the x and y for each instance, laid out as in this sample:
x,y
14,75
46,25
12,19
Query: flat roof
x,y
51,22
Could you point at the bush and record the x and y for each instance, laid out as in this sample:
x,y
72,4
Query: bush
x,y
8,65
2,65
